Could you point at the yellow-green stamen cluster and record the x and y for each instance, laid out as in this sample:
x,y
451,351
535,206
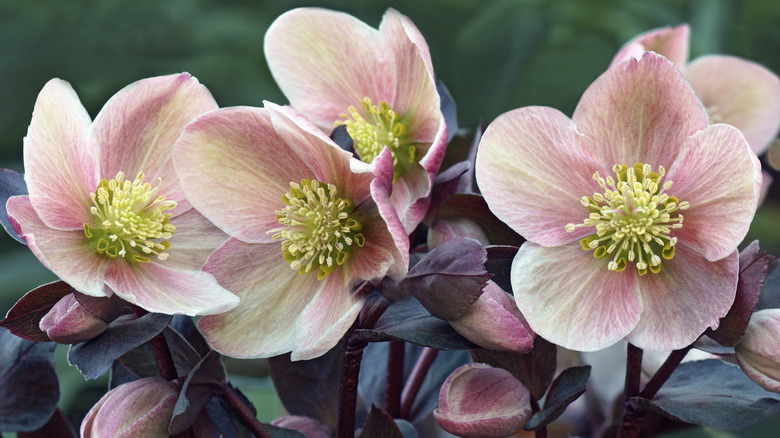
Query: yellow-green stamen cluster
x,y
634,218
384,128
319,228
129,219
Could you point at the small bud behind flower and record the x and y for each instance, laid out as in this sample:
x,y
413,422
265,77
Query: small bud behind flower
x,y
143,407
68,322
494,322
757,353
478,400
309,427
445,229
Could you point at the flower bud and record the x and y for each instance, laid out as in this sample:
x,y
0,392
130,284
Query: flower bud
x,y
757,353
308,427
478,400
445,229
70,323
494,322
143,407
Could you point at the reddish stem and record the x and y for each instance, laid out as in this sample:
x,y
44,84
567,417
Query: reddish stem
x,y
395,378
629,420
415,381
348,384
249,419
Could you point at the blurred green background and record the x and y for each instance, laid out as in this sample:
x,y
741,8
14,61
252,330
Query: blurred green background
x,y
493,55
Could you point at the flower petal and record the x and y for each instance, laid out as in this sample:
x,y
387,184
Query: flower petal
x,y
324,61
532,168
63,252
326,317
570,298
741,93
235,169
158,288
138,126
689,295
59,160
670,42
640,112
272,297
720,176
193,241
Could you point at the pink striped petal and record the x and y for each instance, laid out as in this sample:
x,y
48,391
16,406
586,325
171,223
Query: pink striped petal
x,y
670,42
61,168
193,241
570,298
272,297
640,112
138,126
235,168
63,252
324,61
158,288
689,295
326,318
720,176
532,168
741,93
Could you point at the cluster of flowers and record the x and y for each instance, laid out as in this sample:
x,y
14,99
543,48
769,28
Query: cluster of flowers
x,y
265,224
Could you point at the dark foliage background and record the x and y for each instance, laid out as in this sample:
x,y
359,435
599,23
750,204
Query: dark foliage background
x,y
493,55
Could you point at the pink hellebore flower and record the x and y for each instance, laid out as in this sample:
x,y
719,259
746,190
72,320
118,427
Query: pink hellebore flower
x,y
757,353
478,400
735,91
601,199
307,223
105,211
337,70
68,322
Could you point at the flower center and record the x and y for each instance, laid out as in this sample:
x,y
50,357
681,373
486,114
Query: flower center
x,y
633,218
384,128
129,220
319,229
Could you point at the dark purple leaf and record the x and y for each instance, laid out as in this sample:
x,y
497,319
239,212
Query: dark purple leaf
x,y
230,425
29,389
448,279
499,263
535,369
204,380
24,317
753,266
407,320
309,387
94,357
712,393
186,327
569,386
11,184
473,206
379,424
770,295
468,184
444,186
340,136
184,355
57,427
107,309
448,109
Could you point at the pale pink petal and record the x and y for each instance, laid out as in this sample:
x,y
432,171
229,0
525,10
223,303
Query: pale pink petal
x,y
158,288
671,42
640,112
65,253
328,315
235,169
533,167
689,295
571,299
272,297
193,241
137,127
718,174
741,93
61,167
324,61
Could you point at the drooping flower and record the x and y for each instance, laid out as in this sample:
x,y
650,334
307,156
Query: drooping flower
x,y
757,353
105,211
307,223
735,91
337,70
601,198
